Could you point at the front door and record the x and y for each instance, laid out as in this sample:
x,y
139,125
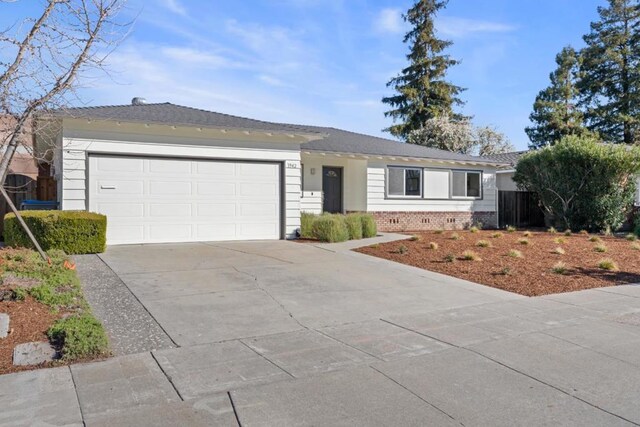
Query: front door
x,y
332,189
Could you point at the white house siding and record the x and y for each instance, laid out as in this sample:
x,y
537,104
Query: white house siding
x,y
505,182
71,162
354,177
400,214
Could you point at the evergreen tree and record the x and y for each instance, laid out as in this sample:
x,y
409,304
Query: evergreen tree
x,y
422,91
610,82
555,111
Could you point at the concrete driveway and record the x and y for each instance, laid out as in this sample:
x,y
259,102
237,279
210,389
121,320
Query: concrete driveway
x,y
281,333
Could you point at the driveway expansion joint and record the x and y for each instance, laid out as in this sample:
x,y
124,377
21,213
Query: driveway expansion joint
x,y
167,376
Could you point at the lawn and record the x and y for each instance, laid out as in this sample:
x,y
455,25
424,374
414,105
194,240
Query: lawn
x,y
527,263
44,302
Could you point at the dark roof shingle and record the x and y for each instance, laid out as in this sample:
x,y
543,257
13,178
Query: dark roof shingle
x,y
333,140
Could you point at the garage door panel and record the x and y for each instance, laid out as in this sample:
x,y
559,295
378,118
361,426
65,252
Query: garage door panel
x,y
117,187
216,210
121,210
150,200
115,164
219,189
175,167
216,168
163,210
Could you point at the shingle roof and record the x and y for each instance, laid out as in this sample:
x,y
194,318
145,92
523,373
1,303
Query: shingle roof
x,y
510,158
167,113
342,141
333,140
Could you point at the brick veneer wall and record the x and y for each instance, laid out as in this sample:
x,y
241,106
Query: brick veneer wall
x,y
416,221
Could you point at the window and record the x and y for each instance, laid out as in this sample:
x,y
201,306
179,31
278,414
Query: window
x,y
436,183
466,184
404,182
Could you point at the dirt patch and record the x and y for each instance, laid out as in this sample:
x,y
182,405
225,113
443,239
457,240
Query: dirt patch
x,y
530,275
29,321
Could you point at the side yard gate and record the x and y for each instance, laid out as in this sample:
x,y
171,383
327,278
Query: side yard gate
x,y
519,209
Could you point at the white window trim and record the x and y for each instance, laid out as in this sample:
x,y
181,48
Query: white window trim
x,y
404,183
480,173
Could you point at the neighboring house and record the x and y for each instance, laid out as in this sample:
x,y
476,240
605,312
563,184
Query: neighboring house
x,y
167,173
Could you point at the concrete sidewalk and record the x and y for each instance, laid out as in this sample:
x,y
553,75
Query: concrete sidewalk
x,y
280,333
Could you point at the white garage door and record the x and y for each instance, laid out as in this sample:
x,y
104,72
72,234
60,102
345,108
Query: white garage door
x,y
155,200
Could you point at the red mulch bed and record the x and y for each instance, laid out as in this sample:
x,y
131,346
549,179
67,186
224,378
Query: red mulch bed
x,y
29,321
530,275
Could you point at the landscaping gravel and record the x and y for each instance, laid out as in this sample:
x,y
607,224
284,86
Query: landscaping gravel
x,y
130,327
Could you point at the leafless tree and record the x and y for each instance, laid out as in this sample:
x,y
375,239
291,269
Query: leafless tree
x,y
43,58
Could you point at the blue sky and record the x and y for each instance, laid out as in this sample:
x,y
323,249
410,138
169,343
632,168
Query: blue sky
x,y
326,62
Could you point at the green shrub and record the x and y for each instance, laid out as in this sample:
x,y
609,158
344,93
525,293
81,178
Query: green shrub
x,y
415,238
560,268
402,249
449,258
433,246
483,244
527,234
600,248
79,337
369,227
306,224
515,254
581,182
511,229
330,228
631,237
607,264
354,226
497,235
474,229
470,256
74,232
559,251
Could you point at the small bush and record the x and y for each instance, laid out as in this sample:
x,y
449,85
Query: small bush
x,y
515,254
402,249
375,246
635,246
595,239
559,251
369,227
631,237
497,235
560,268
584,232
552,230
560,240
79,337
75,232
527,234
524,241
568,233
354,226
470,256
483,244
506,271
330,228
306,224
600,248
415,238
511,229
607,264
474,229
449,258
433,246
456,236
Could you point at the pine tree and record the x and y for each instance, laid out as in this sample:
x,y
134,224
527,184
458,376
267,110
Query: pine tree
x,y
610,69
555,111
422,91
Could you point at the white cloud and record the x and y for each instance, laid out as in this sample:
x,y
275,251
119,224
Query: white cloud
x,y
175,6
271,81
200,58
389,21
463,27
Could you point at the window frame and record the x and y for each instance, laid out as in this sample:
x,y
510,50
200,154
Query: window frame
x,y
466,172
404,183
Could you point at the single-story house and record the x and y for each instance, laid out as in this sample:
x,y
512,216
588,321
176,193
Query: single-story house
x,y
168,173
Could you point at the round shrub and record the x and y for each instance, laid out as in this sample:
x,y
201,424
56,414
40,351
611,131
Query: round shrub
x,y
330,228
354,226
74,232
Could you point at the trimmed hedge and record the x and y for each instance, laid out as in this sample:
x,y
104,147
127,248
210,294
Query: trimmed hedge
x,y
74,232
330,228
306,225
354,226
369,227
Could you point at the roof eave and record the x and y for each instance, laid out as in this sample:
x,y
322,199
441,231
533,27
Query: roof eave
x,y
364,156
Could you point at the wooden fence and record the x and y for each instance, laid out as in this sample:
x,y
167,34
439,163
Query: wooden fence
x,y
519,209
20,188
